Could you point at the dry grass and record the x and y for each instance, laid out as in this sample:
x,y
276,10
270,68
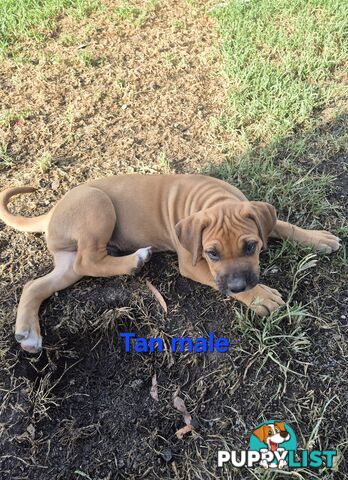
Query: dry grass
x,y
103,95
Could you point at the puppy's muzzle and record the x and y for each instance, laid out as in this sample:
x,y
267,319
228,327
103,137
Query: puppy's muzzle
x,y
237,282
236,285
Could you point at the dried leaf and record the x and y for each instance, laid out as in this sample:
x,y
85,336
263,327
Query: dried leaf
x,y
157,295
154,389
181,432
179,404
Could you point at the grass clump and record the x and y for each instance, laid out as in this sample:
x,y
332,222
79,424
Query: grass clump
x,y
298,193
35,18
10,117
44,163
132,12
87,59
280,58
5,158
127,11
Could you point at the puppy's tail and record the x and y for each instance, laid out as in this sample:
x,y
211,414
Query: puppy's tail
x,y
24,224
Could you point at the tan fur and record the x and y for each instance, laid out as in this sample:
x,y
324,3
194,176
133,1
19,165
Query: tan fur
x,y
23,224
186,214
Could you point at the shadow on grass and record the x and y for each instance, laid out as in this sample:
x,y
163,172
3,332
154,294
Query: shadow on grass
x,y
304,175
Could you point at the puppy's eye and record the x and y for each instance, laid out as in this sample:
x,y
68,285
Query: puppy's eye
x,y
277,429
213,255
250,248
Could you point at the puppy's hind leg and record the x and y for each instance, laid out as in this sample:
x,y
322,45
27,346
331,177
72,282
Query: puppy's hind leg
x,y
27,331
93,228
93,260
85,219
321,240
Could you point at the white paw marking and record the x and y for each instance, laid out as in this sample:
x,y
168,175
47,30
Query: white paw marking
x,y
144,254
30,342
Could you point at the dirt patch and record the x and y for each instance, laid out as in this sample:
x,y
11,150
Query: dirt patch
x,y
124,97
84,405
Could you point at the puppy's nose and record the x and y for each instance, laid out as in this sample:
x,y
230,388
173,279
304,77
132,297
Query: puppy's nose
x,y
237,285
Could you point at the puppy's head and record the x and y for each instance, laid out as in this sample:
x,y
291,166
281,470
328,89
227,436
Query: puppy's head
x,y
272,434
229,236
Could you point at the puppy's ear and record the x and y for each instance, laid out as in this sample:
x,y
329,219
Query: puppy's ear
x,y
261,433
190,231
265,217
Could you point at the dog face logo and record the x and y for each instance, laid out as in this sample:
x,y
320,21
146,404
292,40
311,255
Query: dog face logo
x,y
273,439
272,435
229,236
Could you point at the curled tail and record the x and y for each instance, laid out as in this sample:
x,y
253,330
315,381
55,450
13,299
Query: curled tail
x,y
24,224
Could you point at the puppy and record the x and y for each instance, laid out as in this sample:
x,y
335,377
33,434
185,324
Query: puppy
x,y
216,232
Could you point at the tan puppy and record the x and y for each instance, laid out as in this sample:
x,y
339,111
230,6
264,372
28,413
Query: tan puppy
x,y
217,233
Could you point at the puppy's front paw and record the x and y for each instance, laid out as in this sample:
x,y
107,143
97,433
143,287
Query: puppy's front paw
x,y
323,241
261,299
30,340
142,255
266,300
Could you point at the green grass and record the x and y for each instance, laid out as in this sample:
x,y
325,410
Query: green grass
x,y
280,58
273,175
87,59
44,163
127,11
131,12
283,60
35,18
5,158
10,117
